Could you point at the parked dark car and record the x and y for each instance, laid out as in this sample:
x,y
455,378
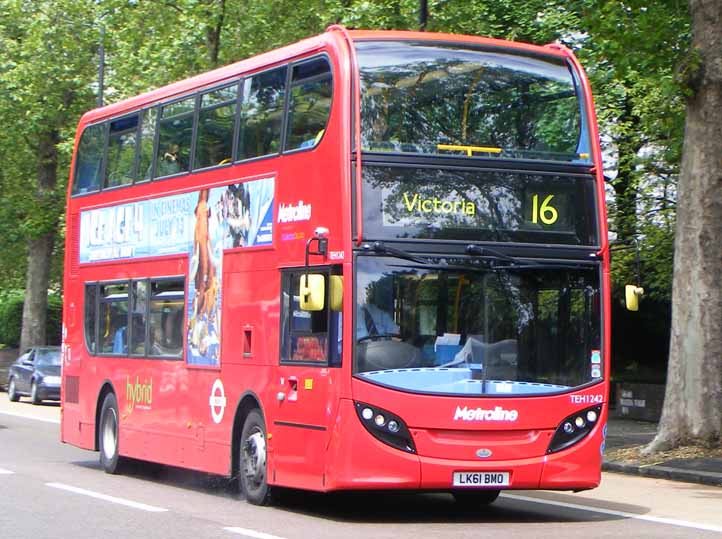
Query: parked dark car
x,y
7,358
36,374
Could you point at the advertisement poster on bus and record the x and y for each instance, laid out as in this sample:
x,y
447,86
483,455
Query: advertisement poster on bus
x,y
240,215
201,224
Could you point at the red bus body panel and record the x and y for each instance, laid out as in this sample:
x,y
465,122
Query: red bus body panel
x,y
169,410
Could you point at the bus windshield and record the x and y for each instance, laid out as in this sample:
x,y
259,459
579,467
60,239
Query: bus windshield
x,y
471,328
464,101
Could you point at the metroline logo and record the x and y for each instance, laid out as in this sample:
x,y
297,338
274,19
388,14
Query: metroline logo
x,y
288,213
479,414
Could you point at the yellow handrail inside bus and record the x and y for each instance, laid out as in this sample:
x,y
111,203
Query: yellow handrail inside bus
x,y
468,149
107,323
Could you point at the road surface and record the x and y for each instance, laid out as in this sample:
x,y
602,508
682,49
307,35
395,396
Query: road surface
x,y
51,490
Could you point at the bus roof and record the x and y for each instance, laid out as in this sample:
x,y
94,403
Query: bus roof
x,y
551,49
305,46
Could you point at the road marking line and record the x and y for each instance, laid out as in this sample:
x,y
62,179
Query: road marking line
x,y
43,419
622,514
3,471
105,497
252,533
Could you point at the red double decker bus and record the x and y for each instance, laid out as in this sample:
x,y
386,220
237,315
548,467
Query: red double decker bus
x,y
368,260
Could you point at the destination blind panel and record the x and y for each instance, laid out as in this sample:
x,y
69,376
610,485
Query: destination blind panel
x,y
478,205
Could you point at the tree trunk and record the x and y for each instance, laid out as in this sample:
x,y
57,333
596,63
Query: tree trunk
x,y
35,308
423,14
40,248
213,31
692,409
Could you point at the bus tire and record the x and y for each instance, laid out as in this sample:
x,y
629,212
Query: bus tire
x,y
475,499
108,435
13,391
253,460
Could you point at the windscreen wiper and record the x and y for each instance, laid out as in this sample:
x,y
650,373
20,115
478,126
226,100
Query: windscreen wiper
x,y
382,248
489,255
486,252
515,263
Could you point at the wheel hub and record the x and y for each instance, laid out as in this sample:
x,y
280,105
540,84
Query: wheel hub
x,y
254,453
110,434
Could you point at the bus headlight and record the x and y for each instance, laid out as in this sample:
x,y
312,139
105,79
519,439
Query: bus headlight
x,y
574,428
385,427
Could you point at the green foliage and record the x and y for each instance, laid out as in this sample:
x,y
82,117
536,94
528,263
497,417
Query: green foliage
x,y
11,317
636,54
632,51
46,74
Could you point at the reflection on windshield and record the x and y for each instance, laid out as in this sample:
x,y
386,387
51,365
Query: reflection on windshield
x,y
47,357
481,331
452,100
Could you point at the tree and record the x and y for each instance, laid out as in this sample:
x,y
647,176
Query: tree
x,y
43,77
692,411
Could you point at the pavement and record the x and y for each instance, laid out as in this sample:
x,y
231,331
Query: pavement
x,y
622,433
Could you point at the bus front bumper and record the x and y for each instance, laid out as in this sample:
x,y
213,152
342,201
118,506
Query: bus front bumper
x,y
358,461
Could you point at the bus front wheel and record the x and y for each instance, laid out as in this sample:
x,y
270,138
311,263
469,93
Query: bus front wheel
x,y
108,435
254,481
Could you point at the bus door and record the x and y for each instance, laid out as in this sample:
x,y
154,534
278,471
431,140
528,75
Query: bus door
x,y
308,376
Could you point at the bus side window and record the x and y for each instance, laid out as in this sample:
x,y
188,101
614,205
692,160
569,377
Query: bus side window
x,y
216,122
145,145
167,302
89,161
309,336
138,317
262,102
91,293
175,133
310,103
122,139
114,318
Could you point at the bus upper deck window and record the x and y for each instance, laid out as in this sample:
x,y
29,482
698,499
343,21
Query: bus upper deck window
x,y
90,159
175,133
145,146
122,146
262,103
216,122
310,103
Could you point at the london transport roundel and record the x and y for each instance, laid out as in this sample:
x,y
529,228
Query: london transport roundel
x,y
217,401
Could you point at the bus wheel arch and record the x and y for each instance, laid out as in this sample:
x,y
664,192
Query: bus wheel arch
x,y
106,388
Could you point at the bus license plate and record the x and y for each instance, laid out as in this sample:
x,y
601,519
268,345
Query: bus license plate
x,y
481,479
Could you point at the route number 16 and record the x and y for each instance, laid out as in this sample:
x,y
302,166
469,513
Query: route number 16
x,y
546,212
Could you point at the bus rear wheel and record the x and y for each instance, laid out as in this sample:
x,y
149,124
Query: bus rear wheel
x,y
475,499
252,459
108,435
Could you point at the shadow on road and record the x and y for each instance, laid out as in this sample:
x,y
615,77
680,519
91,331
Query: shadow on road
x,y
400,508
377,507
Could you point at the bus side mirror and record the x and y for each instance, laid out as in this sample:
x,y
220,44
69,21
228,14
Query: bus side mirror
x,y
632,293
335,296
312,292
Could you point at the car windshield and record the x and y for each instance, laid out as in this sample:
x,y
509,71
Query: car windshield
x,y
465,101
476,327
47,357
